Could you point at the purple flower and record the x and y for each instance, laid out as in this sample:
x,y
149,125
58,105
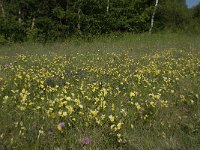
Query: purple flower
x,y
62,124
86,141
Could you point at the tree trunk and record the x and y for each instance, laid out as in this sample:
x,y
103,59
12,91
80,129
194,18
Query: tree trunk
x,y
108,6
79,21
19,16
153,16
33,23
2,9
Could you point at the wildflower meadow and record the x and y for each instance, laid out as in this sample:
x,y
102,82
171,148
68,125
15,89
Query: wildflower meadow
x,y
90,100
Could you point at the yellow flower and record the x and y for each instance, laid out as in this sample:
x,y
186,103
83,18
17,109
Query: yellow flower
x,y
132,126
113,107
94,112
105,92
137,105
64,113
60,126
153,104
119,125
112,126
112,118
80,106
133,94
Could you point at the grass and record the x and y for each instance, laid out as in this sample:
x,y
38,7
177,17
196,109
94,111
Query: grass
x,y
115,92
135,44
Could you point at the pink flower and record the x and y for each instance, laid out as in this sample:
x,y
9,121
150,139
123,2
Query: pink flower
x,y
86,141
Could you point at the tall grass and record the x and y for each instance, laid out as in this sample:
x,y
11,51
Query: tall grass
x,y
135,44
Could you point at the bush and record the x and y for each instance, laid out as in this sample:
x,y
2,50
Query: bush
x,y
12,30
2,40
193,27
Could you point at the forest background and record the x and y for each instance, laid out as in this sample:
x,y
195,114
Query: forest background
x,y
57,20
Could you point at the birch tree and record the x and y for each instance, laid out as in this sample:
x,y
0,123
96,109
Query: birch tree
x,y
33,23
2,9
108,6
19,16
79,19
153,16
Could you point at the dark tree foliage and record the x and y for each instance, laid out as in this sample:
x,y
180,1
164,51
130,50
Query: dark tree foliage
x,y
45,20
172,14
196,12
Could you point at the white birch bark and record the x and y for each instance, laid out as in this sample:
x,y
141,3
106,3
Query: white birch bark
x,y
33,24
19,18
153,16
2,9
108,6
79,20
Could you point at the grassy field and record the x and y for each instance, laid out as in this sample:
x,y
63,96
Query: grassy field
x,y
136,92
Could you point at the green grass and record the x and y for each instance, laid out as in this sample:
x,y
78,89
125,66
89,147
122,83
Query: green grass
x,y
136,44
149,84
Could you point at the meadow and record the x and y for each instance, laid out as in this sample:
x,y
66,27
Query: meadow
x,y
137,92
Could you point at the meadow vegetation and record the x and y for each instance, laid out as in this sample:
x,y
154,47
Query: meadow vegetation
x,y
127,91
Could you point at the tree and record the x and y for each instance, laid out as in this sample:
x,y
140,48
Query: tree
x,y
108,6
153,15
56,19
2,8
196,11
172,14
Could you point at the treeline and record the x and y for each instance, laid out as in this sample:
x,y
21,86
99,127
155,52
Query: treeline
x,y
49,20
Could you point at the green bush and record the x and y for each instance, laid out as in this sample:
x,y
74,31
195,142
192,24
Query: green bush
x,y
193,27
2,40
